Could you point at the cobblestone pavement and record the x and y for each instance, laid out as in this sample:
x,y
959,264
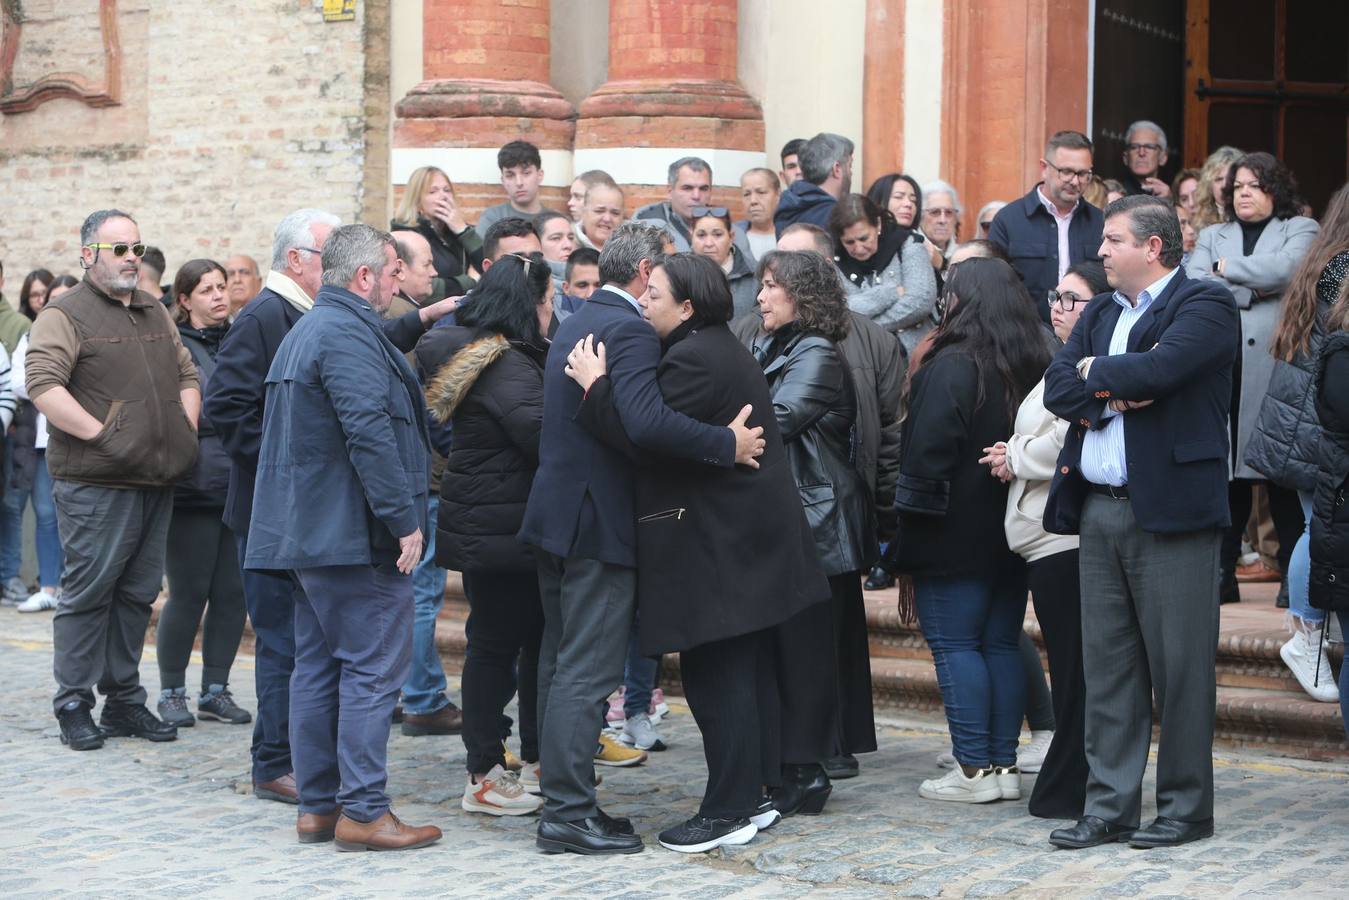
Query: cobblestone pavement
x,y
177,820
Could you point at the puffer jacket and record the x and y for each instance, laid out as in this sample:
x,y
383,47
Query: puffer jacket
x,y
492,391
1330,502
206,484
815,406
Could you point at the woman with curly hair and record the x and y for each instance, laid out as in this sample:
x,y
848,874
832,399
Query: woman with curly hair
x,y
1254,254
804,317
968,587
1210,207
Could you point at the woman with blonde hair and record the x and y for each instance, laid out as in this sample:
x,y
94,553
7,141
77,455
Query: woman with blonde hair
x,y
428,207
1209,203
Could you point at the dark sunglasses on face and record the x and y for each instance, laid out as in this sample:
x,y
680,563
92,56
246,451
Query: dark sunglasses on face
x,y
120,250
718,211
1065,299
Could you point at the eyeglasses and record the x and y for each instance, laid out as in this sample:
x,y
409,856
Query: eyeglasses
x,y
120,250
308,249
1140,149
718,211
940,212
985,225
1070,174
1066,300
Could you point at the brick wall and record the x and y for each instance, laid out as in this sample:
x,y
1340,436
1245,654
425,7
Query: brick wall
x,y
232,115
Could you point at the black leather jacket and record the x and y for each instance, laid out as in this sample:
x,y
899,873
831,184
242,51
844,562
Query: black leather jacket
x,y
1330,502
815,406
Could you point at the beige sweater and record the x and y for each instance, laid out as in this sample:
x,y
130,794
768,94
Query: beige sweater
x,y
1032,455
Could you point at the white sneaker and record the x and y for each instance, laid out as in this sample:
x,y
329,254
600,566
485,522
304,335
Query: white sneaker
x,y
946,760
640,733
1305,656
1009,781
956,788
499,794
40,601
1031,757
528,777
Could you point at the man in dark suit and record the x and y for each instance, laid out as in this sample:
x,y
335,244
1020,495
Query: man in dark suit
x,y
1053,226
234,404
581,518
1145,382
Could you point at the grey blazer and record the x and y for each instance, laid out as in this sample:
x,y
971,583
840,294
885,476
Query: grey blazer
x,y
1257,282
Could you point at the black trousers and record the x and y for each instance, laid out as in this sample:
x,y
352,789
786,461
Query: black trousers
x,y
731,688
856,723
505,623
807,678
202,564
1061,788
1284,508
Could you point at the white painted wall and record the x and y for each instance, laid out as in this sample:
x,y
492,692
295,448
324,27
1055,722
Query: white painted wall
x,y
923,27
405,47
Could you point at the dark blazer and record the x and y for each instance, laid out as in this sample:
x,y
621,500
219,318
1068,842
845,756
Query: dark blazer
x,y
707,568
1180,355
1029,236
581,503
492,389
345,461
234,401
816,407
950,511
1330,501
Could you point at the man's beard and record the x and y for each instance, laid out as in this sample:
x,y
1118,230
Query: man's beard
x,y
124,281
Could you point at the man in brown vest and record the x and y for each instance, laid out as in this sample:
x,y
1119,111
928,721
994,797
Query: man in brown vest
x,y
106,367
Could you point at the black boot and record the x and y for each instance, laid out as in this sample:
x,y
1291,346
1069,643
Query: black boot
x,y
804,790
879,580
78,730
134,720
1281,601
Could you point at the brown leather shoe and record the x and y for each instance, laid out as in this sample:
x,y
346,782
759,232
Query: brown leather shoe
x,y
1258,573
447,720
282,789
316,828
385,833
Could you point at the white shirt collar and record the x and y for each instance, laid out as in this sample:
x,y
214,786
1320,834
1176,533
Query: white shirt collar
x,y
1049,205
1148,294
625,295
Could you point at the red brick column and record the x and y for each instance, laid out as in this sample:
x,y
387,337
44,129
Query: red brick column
x,y
672,92
486,68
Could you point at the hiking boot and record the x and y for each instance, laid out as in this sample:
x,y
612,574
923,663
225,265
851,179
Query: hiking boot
x,y
173,709
217,703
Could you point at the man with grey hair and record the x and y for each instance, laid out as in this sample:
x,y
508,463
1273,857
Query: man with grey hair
x,y
690,180
341,508
941,220
121,396
1144,156
1145,379
826,175
235,404
580,518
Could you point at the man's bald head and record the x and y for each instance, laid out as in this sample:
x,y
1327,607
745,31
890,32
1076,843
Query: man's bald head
x,y
416,267
803,237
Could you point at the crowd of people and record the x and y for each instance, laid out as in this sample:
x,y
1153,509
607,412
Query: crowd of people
x,y
699,434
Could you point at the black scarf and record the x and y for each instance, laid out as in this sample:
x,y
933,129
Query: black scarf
x,y
861,271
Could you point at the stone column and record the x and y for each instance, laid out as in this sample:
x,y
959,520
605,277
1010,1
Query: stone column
x,y
672,92
485,65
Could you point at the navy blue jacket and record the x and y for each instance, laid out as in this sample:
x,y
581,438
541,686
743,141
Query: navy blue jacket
x,y
1180,355
803,202
1029,236
235,397
582,500
345,461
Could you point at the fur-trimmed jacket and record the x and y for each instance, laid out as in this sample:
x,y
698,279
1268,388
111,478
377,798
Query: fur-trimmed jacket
x,y
492,390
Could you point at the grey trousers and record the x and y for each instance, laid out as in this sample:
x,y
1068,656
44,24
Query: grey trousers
x,y
587,613
1149,630
353,649
114,546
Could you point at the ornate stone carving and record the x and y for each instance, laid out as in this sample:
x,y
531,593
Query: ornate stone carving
x,y
18,97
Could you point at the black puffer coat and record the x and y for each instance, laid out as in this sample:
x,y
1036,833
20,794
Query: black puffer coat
x,y
1330,503
207,483
1283,446
492,389
815,404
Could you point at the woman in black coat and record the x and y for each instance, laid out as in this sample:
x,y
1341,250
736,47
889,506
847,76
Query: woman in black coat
x,y
429,208
804,316
968,586
487,379
202,559
712,582
1330,502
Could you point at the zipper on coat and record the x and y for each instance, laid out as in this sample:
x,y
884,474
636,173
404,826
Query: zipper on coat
x,y
677,513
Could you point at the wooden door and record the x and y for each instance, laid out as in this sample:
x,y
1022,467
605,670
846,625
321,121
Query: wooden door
x,y
1271,75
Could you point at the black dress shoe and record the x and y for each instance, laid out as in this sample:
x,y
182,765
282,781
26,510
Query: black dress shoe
x,y
1164,832
803,792
879,580
78,730
590,837
1090,831
1228,592
134,720
1281,601
844,766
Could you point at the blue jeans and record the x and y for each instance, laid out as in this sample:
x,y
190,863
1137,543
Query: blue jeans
x,y
424,690
50,557
972,625
271,609
1300,570
639,678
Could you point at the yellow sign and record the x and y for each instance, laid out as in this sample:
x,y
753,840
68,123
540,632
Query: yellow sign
x,y
339,10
